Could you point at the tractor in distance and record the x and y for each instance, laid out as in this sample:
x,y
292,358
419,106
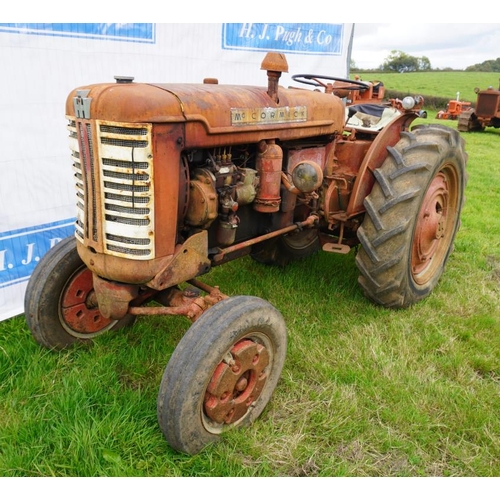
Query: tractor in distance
x,y
485,113
453,109
373,92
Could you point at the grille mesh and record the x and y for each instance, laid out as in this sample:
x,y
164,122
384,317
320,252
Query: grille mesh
x,y
120,183
487,105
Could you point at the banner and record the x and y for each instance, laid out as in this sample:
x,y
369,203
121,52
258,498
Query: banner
x,y
46,61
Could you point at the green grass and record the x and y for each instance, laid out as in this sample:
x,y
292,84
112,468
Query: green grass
x,y
439,83
365,391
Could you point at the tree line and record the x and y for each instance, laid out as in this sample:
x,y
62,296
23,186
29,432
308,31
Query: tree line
x,y
489,65
401,62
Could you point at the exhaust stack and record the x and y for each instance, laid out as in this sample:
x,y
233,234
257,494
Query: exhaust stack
x,y
274,63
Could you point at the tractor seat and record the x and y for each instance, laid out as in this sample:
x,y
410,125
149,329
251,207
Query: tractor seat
x,y
369,117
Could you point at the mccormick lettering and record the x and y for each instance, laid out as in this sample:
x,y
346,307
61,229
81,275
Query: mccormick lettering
x,y
265,116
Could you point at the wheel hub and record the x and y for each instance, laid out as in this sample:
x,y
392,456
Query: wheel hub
x,y
431,224
236,382
78,305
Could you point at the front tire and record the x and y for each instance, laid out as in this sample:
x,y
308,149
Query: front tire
x,y
58,303
222,373
412,216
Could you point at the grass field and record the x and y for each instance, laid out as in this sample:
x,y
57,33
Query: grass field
x,y
365,391
438,83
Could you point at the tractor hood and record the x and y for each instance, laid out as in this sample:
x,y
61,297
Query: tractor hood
x,y
218,108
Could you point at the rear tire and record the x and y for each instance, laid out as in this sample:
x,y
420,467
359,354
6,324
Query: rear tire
x,y
58,304
412,216
222,373
287,248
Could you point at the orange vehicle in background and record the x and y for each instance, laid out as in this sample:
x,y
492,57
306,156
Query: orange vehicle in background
x,y
485,113
372,93
453,109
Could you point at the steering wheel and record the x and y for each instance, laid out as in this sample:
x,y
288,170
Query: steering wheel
x,y
315,80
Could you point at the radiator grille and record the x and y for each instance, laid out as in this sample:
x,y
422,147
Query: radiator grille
x,y
487,105
122,187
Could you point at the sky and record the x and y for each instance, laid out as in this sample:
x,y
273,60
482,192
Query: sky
x,y
447,45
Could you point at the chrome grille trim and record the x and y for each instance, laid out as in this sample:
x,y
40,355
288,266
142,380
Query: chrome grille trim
x,y
121,182
126,173
78,177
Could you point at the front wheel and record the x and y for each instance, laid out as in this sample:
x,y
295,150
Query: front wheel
x,y
59,302
222,373
412,216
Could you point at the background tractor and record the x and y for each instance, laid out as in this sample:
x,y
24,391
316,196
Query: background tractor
x,y
453,109
372,93
172,180
486,112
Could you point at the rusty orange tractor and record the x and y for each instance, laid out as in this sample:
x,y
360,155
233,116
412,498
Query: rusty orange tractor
x,y
372,92
453,109
172,180
486,112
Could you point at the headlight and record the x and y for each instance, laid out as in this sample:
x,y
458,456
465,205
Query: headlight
x,y
408,102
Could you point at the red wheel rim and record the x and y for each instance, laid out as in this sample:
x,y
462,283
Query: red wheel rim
x,y
237,382
435,226
79,309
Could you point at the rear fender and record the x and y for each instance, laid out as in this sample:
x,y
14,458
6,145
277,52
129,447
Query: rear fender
x,y
388,136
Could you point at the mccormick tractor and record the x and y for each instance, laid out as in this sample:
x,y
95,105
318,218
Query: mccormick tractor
x,y
175,179
485,114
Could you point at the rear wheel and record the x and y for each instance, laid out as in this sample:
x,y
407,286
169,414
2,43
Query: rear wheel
x,y
287,248
412,216
59,303
222,373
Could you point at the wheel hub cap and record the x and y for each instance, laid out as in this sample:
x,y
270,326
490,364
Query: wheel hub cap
x,y
236,382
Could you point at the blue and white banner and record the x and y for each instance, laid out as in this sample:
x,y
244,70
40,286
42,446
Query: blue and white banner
x,y
46,61
21,249
307,38
122,32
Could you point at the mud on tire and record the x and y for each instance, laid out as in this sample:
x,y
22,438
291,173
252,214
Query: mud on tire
x,y
412,216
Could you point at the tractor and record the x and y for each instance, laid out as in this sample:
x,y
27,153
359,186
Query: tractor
x,y
486,112
453,109
373,92
172,180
